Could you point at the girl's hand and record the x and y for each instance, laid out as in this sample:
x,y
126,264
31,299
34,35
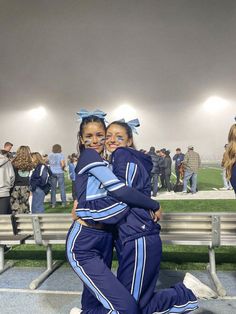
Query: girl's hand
x,y
156,216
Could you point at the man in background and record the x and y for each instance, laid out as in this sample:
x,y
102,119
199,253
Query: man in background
x,y
7,149
155,170
192,163
178,158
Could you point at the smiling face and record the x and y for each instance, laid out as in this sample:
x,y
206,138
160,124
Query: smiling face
x,y
117,136
93,136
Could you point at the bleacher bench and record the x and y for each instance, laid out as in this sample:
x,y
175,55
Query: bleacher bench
x,y
209,229
46,230
8,236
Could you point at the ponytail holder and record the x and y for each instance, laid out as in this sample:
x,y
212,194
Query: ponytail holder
x,y
83,113
133,124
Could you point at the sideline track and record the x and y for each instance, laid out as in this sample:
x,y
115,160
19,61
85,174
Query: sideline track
x,y
58,292
62,291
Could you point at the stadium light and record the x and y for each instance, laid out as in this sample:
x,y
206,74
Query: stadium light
x,y
125,111
215,104
38,114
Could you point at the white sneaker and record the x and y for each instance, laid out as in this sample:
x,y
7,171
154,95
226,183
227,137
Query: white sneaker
x,y
199,289
75,310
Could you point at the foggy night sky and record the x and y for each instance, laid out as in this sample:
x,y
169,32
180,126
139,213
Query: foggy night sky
x,y
164,58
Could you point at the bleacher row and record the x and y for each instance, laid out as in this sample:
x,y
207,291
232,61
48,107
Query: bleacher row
x,y
208,229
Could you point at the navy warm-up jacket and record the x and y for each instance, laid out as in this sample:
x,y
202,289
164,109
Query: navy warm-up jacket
x,y
103,197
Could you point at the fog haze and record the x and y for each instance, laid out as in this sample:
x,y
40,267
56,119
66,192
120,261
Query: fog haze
x,y
163,58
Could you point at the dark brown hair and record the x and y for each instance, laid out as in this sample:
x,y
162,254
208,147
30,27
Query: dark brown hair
x,y
85,121
56,148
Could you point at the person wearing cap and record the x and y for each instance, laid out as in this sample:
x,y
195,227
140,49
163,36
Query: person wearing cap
x,y
191,163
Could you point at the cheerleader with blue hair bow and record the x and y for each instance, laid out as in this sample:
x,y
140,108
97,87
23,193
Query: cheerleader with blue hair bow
x,y
138,243
102,205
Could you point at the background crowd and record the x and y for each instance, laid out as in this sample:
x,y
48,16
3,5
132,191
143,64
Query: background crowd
x,y
26,173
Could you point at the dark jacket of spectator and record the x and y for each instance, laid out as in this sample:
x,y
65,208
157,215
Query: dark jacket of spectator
x,y
178,158
167,163
155,161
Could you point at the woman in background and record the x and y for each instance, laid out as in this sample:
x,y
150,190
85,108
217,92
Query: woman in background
x,y
230,157
22,165
39,183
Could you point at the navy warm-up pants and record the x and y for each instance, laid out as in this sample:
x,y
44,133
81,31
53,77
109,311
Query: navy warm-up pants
x,y
89,251
139,264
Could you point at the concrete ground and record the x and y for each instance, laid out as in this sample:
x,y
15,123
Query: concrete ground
x,y
213,194
62,291
210,195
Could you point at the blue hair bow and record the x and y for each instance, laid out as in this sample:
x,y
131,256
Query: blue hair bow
x,y
133,124
83,113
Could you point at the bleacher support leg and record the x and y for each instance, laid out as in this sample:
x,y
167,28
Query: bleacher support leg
x,y
51,267
212,269
3,266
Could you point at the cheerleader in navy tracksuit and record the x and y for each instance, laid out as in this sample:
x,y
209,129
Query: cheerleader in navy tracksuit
x,y
133,229
139,245
90,242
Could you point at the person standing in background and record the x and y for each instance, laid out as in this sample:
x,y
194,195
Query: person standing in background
x,y
178,158
8,146
7,178
155,170
230,157
57,165
162,155
7,149
39,183
167,171
226,182
23,166
192,163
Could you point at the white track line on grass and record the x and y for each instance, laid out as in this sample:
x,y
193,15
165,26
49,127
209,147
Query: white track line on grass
x,y
40,291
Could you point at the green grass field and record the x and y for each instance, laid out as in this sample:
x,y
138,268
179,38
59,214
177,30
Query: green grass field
x,y
174,257
208,178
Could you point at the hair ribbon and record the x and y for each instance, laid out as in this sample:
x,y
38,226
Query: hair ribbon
x,y
83,113
133,124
